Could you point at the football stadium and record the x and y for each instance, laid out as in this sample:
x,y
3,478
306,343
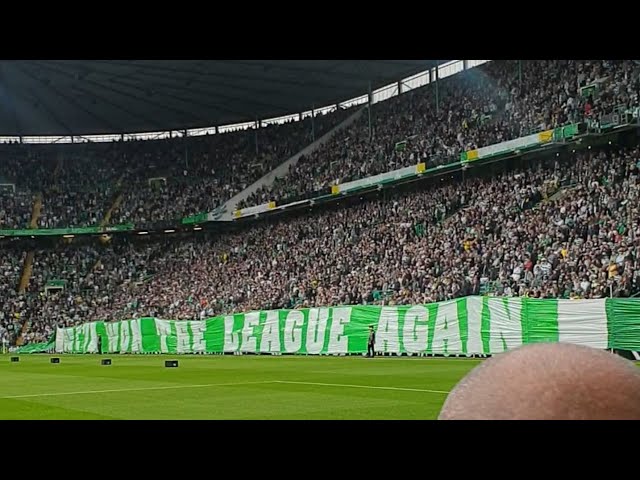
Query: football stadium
x,y
319,239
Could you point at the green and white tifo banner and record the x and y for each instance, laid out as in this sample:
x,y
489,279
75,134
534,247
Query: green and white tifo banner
x,y
466,326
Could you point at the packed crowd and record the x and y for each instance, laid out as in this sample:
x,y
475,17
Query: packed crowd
x,y
10,271
486,234
216,169
156,179
74,183
150,181
565,227
88,275
487,105
15,209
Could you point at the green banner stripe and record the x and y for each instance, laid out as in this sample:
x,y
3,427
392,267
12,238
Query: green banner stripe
x,y
623,317
471,325
542,319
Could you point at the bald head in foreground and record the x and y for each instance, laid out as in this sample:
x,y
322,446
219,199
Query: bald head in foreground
x,y
548,381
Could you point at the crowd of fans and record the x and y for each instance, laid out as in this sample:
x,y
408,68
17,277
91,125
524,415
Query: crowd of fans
x,y
15,209
419,247
10,270
566,227
69,284
161,180
496,102
216,168
75,183
157,180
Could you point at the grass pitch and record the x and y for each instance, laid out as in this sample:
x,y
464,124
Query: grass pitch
x,y
226,387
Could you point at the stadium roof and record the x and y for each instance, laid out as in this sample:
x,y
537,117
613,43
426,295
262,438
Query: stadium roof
x,y
76,97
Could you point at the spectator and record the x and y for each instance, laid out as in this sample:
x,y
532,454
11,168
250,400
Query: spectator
x,y
487,234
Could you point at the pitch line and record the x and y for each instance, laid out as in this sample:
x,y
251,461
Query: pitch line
x,y
176,387
371,387
142,389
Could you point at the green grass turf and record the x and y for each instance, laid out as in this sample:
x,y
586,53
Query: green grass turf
x,y
226,387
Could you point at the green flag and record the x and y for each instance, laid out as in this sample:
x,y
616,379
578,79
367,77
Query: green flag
x,y
470,325
401,146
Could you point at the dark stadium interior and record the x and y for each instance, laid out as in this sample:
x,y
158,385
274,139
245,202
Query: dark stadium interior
x,y
79,97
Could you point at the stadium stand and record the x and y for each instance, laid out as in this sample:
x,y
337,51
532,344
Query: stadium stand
x,y
158,180
487,234
563,226
10,267
475,108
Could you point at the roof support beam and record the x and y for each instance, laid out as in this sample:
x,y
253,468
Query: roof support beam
x,y
370,97
313,123
436,89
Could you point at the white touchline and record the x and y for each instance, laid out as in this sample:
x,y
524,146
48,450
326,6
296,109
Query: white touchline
x,y
169,387
175,387
362,386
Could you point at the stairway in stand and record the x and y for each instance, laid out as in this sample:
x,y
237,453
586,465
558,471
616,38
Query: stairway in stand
x,y
107,216
117,201
22,287
35,211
